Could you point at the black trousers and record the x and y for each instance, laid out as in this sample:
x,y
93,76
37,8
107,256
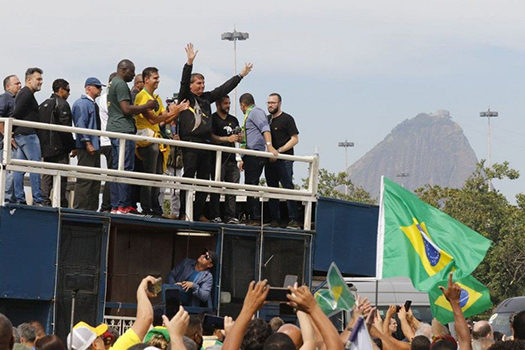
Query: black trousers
x,y
253,167
87,191
47,181
196,163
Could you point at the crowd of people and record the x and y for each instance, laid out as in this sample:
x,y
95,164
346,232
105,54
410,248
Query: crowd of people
x,y
140,111
312,329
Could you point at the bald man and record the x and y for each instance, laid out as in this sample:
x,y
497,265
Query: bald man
x,y
6,333
293,332
482,335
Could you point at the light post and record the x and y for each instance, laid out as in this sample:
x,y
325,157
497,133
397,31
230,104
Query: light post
x,y
234,36
488,114
346,144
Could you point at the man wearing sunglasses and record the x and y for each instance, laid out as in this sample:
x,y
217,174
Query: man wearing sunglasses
x,y
56,146
194,278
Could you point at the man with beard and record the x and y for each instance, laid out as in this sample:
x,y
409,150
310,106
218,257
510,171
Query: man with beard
x,y
225,132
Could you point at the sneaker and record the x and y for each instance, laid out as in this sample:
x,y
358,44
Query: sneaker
x,y
127,211
293,224
253,222
114,211
217,220
202,218
233,221
273,223
170,216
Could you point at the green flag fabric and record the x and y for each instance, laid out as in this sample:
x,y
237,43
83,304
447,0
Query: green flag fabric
x,y
474,299
338,296
416,240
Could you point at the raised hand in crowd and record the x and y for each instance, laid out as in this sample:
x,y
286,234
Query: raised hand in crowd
x,y
307,331
388,316
253,301
177,327
405,325
228,324
302,299
190,53
247,69
361,308
144,308
452,293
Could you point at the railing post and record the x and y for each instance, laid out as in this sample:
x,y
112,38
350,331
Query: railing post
x,y
121,153
218,167
189,205
57,179
6,157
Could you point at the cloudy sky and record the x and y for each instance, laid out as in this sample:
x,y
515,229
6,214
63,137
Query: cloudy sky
x,y
346,69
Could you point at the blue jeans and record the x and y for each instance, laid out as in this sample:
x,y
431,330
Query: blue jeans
x,y
28,149
9,191
120,192
280,171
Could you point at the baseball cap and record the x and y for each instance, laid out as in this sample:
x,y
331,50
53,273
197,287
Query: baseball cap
x,y
84,335
157,330
92,81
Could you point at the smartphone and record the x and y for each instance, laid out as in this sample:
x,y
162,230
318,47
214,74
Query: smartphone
x,y
407,305
213,322
277,294
156,287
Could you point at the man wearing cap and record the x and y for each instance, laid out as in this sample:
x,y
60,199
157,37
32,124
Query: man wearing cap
x,y
86,115
84,336
194,278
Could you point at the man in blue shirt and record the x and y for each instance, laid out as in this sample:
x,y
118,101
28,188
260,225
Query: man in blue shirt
x,y
257,136
7,106
194,278
86,115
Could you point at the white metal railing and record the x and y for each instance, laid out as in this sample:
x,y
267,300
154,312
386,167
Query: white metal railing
x,y
120,323
191,185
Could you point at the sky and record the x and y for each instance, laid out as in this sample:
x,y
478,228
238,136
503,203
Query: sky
x,y
347,70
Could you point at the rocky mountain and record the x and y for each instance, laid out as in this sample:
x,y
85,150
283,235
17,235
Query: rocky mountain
x,y
427,149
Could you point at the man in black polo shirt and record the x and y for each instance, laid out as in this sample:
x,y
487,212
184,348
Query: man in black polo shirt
x,y
225,132
284,138
26,108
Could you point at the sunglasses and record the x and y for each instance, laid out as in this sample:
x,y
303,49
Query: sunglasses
x,y
207,256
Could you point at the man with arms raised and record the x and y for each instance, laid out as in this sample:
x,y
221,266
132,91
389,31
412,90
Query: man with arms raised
x,y
196,124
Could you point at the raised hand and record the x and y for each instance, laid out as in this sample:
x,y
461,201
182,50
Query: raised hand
x,y
247,69
190,53
452,292
256,295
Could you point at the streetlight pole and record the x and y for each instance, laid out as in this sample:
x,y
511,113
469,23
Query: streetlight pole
x,y
234,36
346,144
489,114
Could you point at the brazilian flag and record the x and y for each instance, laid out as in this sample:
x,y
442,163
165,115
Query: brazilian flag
x,y
416,240
474,299
338,296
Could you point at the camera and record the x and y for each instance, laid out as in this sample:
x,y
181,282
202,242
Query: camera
x,y
237,130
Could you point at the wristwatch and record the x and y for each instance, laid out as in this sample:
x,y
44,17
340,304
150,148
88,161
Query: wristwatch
x,y
268,143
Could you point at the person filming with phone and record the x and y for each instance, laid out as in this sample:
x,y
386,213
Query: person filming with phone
x,y
194,278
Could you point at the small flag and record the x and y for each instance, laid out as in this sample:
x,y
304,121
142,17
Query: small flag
x,y
474,299
359,339
338,296
416,240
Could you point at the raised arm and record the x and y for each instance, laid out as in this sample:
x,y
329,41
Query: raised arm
x,y
453,293
405,325
253,301
177,328
230,84
144,316
307,331
303,300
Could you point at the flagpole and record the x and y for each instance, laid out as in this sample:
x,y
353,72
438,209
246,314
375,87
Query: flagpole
x,y
380,233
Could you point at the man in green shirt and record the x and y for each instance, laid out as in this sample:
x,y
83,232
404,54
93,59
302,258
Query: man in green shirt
x,y
120,119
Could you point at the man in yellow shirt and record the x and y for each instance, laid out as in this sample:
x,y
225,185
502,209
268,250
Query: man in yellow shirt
x,y
154,156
